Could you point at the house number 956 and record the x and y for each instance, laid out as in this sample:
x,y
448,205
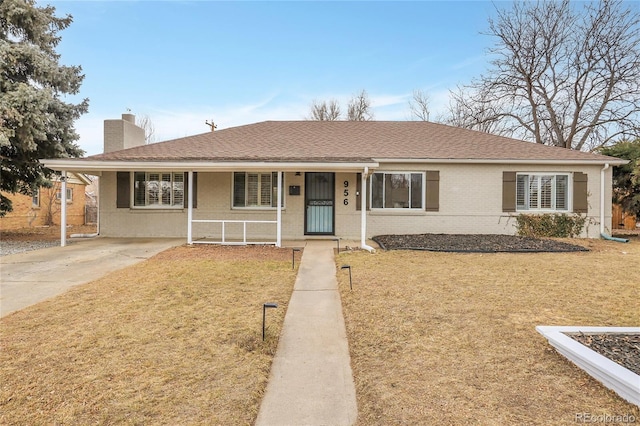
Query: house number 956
x,y
346,193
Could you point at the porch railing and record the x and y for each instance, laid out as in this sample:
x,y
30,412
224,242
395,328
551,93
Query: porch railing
x,y
224,239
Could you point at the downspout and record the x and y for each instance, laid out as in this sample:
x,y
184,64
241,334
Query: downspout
x,y
190,208
602,200
602,197
98,210
63,209
363,212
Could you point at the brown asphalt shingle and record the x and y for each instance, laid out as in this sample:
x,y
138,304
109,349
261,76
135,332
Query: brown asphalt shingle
x,y
343,141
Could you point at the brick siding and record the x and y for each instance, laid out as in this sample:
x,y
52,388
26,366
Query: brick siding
x,y
25,214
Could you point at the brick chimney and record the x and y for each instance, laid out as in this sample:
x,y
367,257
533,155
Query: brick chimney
x,y
122,133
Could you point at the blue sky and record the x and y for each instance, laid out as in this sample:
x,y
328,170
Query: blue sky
x,y
182,63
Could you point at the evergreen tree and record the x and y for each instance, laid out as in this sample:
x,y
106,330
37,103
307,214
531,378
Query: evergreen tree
x,y
626,179
35,122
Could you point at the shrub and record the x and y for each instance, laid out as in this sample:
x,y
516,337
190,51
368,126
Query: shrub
x,y
550,225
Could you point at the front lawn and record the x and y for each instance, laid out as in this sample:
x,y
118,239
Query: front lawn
x,y
446,338
176,340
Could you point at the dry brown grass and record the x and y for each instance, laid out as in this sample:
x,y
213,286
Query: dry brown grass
x,y
174,340
439,338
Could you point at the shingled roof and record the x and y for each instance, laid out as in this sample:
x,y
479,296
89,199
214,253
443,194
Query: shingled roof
x,y
345,141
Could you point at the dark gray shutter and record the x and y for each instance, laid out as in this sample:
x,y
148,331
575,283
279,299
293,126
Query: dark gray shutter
x,y
123,190
195,190
508,191
580,204
432,203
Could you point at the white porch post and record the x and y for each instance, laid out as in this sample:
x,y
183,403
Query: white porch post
x,y
363,212
279,212
190,207
63,209
363,208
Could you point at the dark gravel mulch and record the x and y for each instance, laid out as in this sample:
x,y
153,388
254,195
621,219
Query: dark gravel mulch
x,y
623,349
482,243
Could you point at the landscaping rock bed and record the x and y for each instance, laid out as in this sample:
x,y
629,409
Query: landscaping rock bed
x,y
623,349
13,247
482,243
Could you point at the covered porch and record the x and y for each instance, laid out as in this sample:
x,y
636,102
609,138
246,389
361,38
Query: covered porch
x,y
204,201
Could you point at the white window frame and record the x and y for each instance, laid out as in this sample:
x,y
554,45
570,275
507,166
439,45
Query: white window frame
x,y
35,198
69,195
272,203
538,176
401,209
169,206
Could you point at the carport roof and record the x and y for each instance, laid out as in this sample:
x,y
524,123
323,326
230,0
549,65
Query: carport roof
x,y
337,143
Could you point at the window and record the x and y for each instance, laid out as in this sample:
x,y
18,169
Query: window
x,y
158,189
397,191
35,199
256,189
542,192
69,195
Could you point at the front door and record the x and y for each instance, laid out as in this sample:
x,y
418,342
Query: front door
x,y
319,196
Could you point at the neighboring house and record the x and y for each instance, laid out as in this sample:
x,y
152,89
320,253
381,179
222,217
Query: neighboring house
x,y
419,177
43,208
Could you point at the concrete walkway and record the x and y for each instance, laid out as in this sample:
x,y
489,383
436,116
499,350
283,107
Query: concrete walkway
x,y
31,277
311,382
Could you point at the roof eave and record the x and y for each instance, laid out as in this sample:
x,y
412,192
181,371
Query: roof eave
x,y
97,166
592,162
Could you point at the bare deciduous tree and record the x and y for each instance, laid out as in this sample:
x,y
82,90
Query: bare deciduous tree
x,y
472,110
359,108
562,75
325,111
49,198
419,105
145,123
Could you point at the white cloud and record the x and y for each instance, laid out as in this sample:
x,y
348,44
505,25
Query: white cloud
x,y
389,100
469,62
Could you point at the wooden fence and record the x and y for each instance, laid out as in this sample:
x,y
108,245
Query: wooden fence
x,y
621,220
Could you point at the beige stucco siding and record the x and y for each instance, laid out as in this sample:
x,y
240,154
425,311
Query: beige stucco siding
x,y
470,202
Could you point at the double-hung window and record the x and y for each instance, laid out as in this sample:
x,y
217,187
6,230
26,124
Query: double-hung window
x,y
158,189
35,198
392,190
69,195
542,192
257,190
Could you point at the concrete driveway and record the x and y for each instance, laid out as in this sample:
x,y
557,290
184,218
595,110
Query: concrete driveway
x,y
31,277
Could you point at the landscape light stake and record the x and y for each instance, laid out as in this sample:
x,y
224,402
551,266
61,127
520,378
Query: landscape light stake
x,y
293,257
337,240
264,314
349,268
